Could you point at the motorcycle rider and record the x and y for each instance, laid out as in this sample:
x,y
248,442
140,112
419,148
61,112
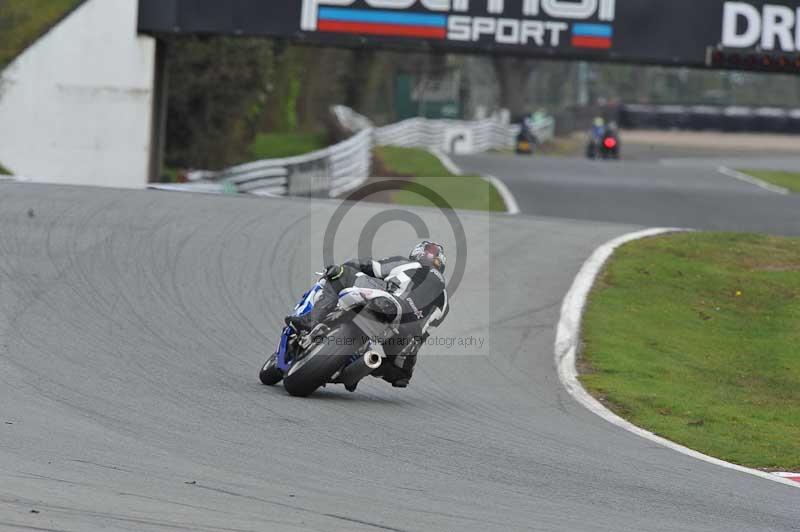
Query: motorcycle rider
x,y
418,284
598,130
596,134
526,140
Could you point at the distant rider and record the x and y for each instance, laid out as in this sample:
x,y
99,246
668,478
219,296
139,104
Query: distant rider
x,y
418,284
598,130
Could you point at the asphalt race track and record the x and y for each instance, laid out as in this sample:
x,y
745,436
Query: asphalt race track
x,y
689,193
133,325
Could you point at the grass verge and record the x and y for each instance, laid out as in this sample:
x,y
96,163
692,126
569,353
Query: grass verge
x,y
425,170
566,146
695,337
569,146
24,21
788,180
279,145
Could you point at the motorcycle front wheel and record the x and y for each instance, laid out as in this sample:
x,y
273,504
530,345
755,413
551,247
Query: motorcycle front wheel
x,y
270,374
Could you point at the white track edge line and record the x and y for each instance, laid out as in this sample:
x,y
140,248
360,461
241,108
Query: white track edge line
x,y
446,161
512,207
567,342
730,172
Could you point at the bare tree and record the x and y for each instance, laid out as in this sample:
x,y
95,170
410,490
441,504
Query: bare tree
x,y
513,75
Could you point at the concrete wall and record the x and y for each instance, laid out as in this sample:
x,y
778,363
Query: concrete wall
x,y
76,107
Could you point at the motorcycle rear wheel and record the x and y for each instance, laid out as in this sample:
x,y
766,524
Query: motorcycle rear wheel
x,y
326,358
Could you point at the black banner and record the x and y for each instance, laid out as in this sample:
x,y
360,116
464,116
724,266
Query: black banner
x,y
679,32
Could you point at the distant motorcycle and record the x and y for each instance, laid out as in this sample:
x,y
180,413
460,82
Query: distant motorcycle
x,y
603,146
526,139
525,144
340,349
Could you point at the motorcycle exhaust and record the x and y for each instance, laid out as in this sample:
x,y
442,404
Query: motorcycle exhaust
x,y
360,368
372,360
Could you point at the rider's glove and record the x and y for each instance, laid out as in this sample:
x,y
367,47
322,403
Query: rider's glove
x,y
334,272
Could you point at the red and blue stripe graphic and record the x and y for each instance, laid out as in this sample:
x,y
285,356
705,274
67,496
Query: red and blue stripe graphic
x,y
387,23
592,36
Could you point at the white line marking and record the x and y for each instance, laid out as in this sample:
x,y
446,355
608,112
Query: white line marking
x,y
511,202
568,339
446,161
508,198
724,170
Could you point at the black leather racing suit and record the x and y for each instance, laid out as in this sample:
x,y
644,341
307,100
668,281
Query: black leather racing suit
x,y
419,289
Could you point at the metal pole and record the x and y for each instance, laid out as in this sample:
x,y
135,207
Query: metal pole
x,y
583,83
158,127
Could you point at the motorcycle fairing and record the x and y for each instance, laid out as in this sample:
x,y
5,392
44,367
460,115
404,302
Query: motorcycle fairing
x,y
302,308
348,299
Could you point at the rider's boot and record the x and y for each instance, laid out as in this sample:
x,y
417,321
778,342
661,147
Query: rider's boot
x,y
325,303
399,369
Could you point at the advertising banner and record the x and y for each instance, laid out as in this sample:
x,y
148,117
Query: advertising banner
x,y
679,32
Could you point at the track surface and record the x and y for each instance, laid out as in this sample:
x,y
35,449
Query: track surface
x,y
132,326
685,193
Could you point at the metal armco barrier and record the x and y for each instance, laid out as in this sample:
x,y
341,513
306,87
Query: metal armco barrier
x,y
457,136
344,166
323,173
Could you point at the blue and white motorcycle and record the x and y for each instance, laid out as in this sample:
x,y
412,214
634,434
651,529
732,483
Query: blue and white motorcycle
x,y
340,349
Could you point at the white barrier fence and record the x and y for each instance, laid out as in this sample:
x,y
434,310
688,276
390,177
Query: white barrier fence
x,y
458,136
346,165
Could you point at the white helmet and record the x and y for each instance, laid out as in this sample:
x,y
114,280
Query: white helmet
x,y
429,254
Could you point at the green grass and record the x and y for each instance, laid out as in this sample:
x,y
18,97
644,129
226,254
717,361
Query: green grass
x,y
4,170
564,146
279,145
696,337
411,162
570,146
463,192
428,173
24,21
788,180
169,174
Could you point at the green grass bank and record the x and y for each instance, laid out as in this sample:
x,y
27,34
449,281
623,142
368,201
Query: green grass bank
x,y
279,145
22,22
427,172
787,180
696,337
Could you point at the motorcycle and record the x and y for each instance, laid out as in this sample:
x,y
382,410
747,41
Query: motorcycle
x,y
525,144
341,348
604,146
